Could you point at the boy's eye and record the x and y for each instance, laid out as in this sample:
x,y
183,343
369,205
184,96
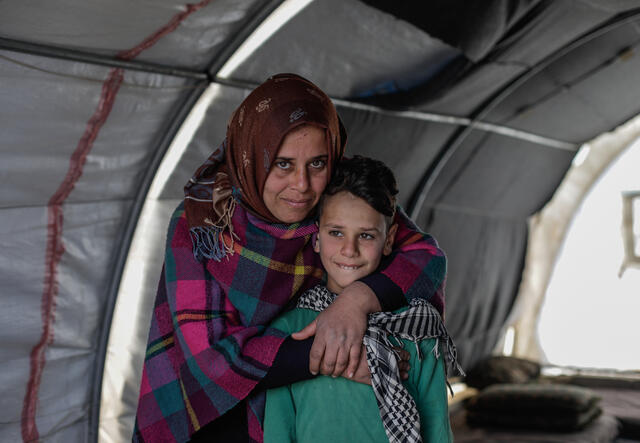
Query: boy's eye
x,y
318,164
366,236
335,233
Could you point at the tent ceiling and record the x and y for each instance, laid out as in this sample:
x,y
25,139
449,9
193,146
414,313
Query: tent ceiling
x,y
93,95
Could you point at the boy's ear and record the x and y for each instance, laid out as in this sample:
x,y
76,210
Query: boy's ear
x,y
391,236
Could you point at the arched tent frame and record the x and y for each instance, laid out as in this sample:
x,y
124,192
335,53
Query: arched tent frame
x,y
548,229
482,107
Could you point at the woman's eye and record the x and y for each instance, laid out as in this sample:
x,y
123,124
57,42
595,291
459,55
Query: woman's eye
x,y
318,164
283,164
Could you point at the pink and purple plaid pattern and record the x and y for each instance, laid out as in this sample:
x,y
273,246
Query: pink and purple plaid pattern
x,y
209,345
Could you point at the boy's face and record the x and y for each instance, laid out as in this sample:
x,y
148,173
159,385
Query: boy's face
x,y
351,240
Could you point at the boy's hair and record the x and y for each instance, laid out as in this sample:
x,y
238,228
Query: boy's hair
x,y
366,178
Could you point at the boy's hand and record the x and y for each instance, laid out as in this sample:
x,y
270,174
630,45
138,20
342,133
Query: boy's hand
x,y
339,330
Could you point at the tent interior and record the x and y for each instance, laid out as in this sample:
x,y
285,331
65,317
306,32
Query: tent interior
x,y
482,110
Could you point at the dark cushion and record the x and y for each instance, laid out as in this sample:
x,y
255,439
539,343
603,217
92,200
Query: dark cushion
x,y
533,405
545,398
561,422
501,369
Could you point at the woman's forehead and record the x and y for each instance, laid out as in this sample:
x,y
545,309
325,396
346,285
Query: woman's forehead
x,y
305,141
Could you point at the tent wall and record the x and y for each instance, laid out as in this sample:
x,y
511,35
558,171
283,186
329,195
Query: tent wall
x,y
63,211
93,93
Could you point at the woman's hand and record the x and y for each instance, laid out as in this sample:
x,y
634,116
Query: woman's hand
x,y
339,330
403,362
362,374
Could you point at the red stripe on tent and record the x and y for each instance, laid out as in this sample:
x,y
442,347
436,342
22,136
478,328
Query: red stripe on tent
x,y
55,247
166,29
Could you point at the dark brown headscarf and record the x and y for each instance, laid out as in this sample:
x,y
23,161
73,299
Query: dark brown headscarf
x,y
237,171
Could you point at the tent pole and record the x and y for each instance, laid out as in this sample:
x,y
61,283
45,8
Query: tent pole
x,y
432,117
96,59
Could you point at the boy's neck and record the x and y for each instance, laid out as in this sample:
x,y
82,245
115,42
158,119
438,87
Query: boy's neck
x,y
336,289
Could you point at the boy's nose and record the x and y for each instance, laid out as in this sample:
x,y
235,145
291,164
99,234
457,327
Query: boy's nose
x,y
350,248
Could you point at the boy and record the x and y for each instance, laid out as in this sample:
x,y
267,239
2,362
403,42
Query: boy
x,y
355,231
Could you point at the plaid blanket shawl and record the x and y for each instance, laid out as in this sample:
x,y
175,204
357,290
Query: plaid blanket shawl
x,y
208,344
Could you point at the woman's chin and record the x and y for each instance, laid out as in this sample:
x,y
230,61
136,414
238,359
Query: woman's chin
x,y
293,215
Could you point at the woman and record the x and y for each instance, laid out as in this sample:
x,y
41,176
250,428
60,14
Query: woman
x,y
238,251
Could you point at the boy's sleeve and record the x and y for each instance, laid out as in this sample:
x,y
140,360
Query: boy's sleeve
x,y
415,268
428,378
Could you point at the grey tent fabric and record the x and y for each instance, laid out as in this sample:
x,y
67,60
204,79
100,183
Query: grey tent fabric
x,y
116,26
45,115
478,109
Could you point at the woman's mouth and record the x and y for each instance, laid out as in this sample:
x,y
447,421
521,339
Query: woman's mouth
x,y
297,203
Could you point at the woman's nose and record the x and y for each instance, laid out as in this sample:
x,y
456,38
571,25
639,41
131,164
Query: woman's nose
x,y
300,179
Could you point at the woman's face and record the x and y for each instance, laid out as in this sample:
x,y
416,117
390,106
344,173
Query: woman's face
x,y
298,175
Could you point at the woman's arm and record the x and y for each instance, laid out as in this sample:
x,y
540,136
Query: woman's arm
x,y
202,359
416,268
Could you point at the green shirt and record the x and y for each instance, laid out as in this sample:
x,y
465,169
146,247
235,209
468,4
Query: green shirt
x,y
326,409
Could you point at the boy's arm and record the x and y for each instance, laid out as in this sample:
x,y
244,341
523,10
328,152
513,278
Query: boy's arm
x,y
416,267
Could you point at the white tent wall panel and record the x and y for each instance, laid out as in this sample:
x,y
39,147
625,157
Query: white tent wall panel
x,y
474,88
130,135
557,26
82,277
207,138
131,319
114,26
473,181
395,140
52,105
561,23
477,289
45,114
357,59
21,274
585,92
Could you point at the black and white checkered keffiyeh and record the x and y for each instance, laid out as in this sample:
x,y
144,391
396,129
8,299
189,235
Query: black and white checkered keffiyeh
x,y
420,321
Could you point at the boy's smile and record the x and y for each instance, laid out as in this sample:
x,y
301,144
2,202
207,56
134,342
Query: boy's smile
x,y
351,240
